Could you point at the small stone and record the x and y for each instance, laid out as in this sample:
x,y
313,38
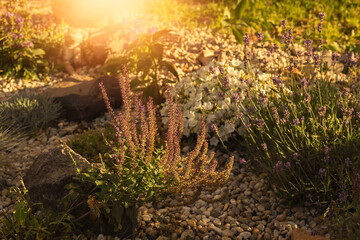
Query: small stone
x,y
216,229
191,223
227,233
245,235
146,218
217,222
101,237
281,217
261,208
188,234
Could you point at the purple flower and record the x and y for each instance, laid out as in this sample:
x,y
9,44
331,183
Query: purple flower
x,y
20,53
321,16
277,81
326,150
342,197
225,82
212,70
264,146
260,37
287,165
319,27
322,172
347,161
322,111
286,112
277,167
259,123
262,98
283,23
246,39
295,156
275,115
296,122
334,58
242,160
326,159
274,48
235,97
28,44
221,95
206,90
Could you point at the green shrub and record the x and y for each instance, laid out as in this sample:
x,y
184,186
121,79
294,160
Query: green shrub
x,y
144,56
306,138
29,112
18,55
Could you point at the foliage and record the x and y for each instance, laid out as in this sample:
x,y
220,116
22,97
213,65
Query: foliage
x,y
9,138
18,55
145,57
29,111
141,170
345,221
91,143
32,221
306,139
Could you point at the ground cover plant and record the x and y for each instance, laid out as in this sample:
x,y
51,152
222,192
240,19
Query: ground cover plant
x,y
28,112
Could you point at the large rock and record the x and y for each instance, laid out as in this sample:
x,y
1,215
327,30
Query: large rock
x,y
81,98
302,234
50,172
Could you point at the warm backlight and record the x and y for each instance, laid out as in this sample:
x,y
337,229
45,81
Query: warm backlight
x,y
96,13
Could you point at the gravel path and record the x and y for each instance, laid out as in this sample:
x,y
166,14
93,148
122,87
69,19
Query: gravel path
x,y
245,208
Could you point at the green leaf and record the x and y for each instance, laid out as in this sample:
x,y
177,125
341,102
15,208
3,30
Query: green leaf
x,y
160,34
237,34
171,69
38,51
157,51
240,8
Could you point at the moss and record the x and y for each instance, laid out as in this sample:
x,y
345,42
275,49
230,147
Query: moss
x,y
91,144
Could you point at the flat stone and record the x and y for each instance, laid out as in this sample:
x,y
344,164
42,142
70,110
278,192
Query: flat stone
x,y
245,235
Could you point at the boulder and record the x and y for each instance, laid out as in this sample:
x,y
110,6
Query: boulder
x,y
302,234
81,98
50,172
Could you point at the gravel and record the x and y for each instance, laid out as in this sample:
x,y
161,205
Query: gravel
x,y
244,208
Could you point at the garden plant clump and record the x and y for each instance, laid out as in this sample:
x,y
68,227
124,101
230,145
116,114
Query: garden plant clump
x,y
143,170
28,112
22,44
306,140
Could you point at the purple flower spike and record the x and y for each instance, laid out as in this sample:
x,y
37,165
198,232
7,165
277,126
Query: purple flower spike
x,y
287,165
246,39
264,146
321,16
260,37
283,23
347,161
322,172
277,167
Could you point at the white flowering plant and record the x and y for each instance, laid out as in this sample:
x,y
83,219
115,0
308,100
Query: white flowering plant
x,y
214,92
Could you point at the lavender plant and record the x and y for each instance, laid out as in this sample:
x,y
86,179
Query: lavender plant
x,y
307,139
